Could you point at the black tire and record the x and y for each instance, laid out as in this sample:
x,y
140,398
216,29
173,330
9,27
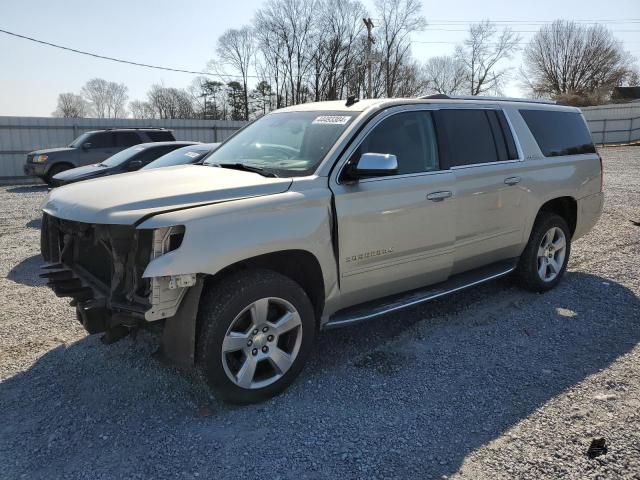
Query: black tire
x,y
54,170
220,306
45,248
527,269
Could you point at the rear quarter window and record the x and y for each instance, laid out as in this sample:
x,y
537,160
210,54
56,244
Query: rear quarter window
x,y
559,133
160,136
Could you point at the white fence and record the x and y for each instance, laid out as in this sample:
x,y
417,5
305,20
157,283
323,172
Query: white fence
x,y
20,135
617,123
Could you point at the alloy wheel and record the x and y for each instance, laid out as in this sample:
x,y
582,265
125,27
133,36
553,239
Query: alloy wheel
x,y
262,343
551,254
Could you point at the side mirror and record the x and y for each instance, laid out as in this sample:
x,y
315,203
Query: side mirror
x,y
134,165
373,165
86,145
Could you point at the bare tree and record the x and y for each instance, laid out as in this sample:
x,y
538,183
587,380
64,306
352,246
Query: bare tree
x,y
117,100
287,26
237,49
71,105
170,102
483,52
141,109
566,59
446,75
106,99
399,19
412,83
337,53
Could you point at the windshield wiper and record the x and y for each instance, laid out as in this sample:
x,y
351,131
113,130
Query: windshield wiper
x,y
246,168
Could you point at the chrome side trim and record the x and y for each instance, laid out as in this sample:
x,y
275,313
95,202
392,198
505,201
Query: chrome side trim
x,y
485,164
350,321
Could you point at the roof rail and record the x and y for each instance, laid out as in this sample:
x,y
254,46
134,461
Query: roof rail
x,y
442,96
135,128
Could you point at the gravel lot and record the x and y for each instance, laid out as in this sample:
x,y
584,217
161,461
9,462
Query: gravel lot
x,y
491,383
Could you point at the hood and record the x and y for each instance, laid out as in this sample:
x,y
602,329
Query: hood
x,y
48,151
80,173
124,199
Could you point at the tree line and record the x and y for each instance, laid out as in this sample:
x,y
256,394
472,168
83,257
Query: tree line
x,y
297,51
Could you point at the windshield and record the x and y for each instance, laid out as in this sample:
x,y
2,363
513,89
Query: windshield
x,y
181,156
121,157
80,140
288,143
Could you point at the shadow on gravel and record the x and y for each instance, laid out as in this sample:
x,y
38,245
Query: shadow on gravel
x,y
35,223
27,271
28,189
408,396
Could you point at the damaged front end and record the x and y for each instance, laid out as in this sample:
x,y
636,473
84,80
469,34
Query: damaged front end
x,y
101,268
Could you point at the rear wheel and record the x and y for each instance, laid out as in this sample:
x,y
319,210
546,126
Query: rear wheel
x,y
256,332
545,258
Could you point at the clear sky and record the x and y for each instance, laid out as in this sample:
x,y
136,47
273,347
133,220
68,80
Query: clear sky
x,y
182,34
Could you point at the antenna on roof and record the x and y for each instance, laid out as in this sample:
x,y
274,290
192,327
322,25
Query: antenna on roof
x,y
351,100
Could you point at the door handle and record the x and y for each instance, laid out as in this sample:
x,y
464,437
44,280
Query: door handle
x,y
439,196
512,180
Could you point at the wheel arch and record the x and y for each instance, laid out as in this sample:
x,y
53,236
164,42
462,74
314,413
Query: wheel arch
x,y
301,266
65,163
180,336
566,207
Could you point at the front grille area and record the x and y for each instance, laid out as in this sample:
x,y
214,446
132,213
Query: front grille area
x,y
107,260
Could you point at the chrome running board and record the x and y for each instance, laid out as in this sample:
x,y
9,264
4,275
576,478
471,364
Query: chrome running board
x,y
383,306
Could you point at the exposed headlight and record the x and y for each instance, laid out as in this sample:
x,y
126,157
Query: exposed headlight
x,y
167,239
40,158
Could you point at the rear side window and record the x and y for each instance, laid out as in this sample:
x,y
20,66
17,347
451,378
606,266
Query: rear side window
x,y
466,137
101,140
160,136
127,139
559,133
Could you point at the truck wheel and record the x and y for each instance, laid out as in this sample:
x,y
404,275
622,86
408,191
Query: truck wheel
x,y
257,329
545,258
54,170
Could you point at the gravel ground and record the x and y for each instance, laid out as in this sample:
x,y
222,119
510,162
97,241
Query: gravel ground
x,y
492,383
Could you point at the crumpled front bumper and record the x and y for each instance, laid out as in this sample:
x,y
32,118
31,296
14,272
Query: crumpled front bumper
x,y
100,268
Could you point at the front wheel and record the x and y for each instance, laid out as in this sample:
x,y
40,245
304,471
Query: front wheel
x,y
256,331
55,170
545,258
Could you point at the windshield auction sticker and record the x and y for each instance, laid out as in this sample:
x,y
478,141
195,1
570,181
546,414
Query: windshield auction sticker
x,y
331,120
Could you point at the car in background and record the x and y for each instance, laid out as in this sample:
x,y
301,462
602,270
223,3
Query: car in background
x,y
89,148
183,156
129,160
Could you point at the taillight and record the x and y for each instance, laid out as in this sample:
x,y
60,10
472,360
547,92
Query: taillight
x,y
601,174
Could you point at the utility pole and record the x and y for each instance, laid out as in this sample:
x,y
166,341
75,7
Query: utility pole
x,y
370,41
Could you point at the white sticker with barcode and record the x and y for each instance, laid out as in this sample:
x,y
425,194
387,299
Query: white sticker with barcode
x,y
332,119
